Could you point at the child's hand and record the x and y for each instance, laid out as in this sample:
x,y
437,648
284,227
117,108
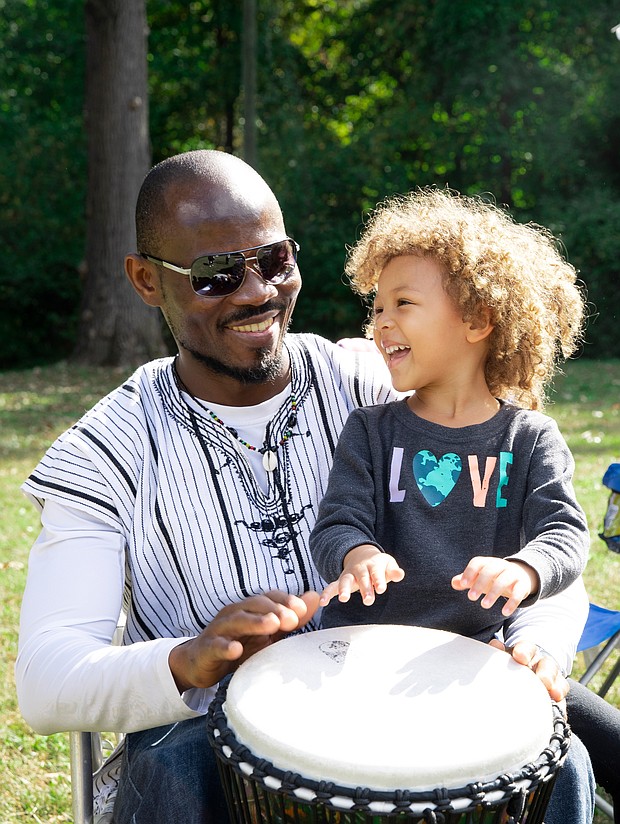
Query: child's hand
x,y
366,569
495,578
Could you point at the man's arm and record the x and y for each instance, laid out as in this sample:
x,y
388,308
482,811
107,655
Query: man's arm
x,y
68,674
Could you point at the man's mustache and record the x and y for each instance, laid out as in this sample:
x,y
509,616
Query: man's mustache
x,y
249,312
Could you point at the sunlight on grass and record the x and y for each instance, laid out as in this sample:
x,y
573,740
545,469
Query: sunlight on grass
x,y
586,405
35,407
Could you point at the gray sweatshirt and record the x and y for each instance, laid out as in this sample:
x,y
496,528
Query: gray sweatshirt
x,y
434,497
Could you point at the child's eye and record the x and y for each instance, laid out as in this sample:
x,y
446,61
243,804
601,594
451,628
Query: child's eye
x,y
376,310
404,302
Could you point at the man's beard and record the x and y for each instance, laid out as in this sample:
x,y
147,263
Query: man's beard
x,y
269,366
267,369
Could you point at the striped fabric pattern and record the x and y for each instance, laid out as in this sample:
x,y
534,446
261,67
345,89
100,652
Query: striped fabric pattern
x,y
200,533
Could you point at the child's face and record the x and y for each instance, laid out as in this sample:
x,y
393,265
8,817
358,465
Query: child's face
x,y
417,326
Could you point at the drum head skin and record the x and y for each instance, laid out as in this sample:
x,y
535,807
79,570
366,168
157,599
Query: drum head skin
x,y
389,707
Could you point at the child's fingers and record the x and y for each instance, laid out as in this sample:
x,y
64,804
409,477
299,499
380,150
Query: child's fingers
x,y
494,578
457,582
493,582
393,572
383,569
470,574
519,593
330,591
507,585
483,576
347,583
369,577
378,578
365,585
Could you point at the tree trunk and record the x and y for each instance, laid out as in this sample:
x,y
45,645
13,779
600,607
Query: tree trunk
x,y
116,327
249,81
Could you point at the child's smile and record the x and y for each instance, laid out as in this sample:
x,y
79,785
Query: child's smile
x,y
395,353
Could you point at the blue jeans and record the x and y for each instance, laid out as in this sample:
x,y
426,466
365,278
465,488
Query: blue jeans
x,y
572,799
170,776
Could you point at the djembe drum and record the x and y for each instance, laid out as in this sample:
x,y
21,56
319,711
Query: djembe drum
x,y
360,725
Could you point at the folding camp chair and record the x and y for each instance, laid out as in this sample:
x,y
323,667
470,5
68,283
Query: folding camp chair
x,y
602,628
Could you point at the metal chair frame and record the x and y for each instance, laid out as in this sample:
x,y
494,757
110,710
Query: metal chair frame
x,y
87,752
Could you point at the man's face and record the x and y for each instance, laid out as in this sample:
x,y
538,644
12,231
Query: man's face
x,y
239,336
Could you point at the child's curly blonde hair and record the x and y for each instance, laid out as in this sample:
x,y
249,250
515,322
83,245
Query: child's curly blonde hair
x,y
515,270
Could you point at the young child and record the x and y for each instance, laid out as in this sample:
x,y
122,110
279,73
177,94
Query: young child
x,y
461,489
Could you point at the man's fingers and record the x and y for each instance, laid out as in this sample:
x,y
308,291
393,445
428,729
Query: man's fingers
x,y
311,601
549,673
525,653
545,667
237,631
261,615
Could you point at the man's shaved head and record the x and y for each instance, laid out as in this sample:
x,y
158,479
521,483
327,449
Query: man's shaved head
x,y
228,189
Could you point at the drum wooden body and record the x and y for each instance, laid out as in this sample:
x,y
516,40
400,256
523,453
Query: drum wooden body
x,y
360,725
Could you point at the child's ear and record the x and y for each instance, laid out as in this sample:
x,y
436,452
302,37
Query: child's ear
x,y
480,327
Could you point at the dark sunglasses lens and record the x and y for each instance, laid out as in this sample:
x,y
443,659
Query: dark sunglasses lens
x,y
218,275
276,261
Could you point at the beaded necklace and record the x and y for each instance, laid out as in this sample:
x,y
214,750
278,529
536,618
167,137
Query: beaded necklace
x,y
270,458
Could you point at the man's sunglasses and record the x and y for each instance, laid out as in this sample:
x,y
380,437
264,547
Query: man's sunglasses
x,y
215,276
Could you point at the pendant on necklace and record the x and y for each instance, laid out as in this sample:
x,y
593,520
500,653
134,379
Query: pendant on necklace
x,y
270,460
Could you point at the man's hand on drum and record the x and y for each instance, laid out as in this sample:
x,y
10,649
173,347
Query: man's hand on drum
x,y
238,631
540,662
367,569
497,578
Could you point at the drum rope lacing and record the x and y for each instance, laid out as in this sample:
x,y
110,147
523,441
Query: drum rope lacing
x,y
438,801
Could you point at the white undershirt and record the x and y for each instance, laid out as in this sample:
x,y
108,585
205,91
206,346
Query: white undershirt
x,y
251,425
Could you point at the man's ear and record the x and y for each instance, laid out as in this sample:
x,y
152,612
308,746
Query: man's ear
x,y
143,279
480,327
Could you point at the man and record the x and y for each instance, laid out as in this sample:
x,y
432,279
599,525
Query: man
x,y
187,495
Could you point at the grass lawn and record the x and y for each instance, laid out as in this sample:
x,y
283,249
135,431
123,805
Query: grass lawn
x,y
38,404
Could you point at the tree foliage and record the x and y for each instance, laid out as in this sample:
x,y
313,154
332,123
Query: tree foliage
x,y
42,178
357,99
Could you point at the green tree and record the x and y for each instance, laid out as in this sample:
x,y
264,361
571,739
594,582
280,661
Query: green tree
x,y
42,178
194,75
